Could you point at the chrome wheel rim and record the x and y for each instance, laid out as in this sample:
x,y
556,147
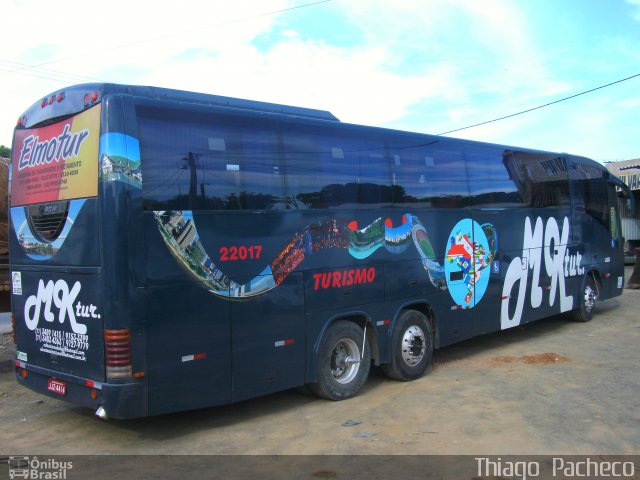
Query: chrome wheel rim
x,y
345,361
414,345
590,298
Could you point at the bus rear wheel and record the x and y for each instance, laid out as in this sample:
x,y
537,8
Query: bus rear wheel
x,y
411,347
588,300
343,366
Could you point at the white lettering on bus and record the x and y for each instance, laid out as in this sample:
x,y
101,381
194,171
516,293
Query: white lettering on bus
x,y
558,264
65,146
63,299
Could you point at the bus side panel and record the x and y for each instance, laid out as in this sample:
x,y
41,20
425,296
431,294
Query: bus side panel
x,y
188,348
268,336
520,290
188,333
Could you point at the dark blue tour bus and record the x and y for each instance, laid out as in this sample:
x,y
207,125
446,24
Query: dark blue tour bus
x,y
173,250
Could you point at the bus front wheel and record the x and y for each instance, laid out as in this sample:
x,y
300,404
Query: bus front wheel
x,y
588,300
411,347
343,366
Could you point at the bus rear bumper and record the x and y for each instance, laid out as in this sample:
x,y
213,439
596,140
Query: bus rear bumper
x,y
118,400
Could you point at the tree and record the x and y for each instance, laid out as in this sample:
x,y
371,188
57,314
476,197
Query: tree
x,y
5,151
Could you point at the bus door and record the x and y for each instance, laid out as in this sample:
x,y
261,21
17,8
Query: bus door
x,y
596,224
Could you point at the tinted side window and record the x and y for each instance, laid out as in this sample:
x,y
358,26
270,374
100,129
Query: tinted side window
x,y
429,175
490,181
194,159
332,167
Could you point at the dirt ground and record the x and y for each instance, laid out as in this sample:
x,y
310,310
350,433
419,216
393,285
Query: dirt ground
x,y
552,387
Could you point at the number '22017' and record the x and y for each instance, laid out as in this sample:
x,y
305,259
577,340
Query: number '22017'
x,y
232,254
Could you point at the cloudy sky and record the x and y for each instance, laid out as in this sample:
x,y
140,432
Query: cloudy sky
x,y
422,65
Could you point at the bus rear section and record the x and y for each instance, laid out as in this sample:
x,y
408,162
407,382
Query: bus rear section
x,y
64,347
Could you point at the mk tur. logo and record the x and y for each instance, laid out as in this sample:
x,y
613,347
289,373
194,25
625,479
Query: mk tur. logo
x,y
58,295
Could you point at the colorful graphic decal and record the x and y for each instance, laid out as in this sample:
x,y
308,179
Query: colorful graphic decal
x,y
35,248
120,159
471,250
56,162
180,235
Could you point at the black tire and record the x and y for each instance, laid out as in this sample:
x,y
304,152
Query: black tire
x,y
411,347
588,299
341,370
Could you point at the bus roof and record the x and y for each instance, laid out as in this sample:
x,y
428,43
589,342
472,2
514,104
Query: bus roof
x,y
70,100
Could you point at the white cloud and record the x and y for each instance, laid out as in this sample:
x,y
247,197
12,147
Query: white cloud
x,y
636,5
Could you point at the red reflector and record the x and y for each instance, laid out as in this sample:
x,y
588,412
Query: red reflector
x,y
289,341
13,328
200,356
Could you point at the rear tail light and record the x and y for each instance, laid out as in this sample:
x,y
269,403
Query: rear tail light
x,y
117,352
91,97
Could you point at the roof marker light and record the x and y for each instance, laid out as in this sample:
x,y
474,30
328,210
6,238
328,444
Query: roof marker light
x,y
60,97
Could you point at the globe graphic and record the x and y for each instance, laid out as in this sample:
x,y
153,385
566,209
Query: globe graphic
x,y
466,273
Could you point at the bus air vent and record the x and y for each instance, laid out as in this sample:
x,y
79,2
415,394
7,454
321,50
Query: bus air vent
x,y
47,220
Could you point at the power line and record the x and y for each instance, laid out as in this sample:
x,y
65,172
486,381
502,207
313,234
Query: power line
x,y
164,37
8,66
541,106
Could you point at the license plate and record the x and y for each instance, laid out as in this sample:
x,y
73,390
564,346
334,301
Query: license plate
x,y
56,386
